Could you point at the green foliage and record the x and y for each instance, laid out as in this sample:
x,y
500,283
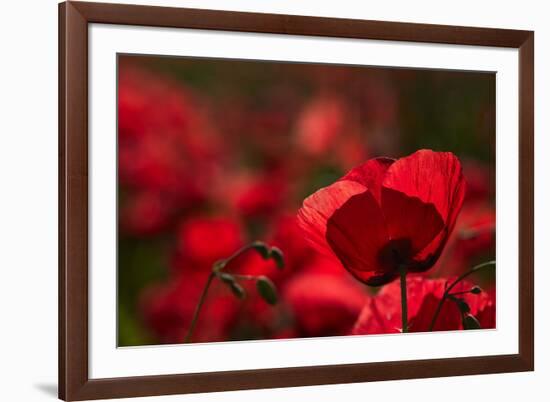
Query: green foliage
x,y
475,290
455,121
262,249
266,290
462,306
140,263
237,290
277,255
470,322
232,283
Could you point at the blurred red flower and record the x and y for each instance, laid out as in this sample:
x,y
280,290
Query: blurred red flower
x,y
167,146
481,182
319,124
387,213
382,313
329,129
324,305
145,213
204,240
262,196
472,241
289,237
476,231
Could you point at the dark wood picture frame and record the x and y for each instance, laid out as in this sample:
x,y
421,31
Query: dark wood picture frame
x,y
74,382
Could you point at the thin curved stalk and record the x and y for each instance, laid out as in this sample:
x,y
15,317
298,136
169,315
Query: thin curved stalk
x,y
198,308
452,285
404,312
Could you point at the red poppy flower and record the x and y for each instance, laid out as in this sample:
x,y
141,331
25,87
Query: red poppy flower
x,y
204,240
387,214
324,305
382,313
262,196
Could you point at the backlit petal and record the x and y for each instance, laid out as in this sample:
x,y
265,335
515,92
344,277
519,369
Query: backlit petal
x,y
357,234
426,177
432,177
412,224
319,207
370,174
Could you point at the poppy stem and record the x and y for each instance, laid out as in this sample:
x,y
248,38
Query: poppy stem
x,y
404,313
198,308
217,267
452,285
245,277
221,264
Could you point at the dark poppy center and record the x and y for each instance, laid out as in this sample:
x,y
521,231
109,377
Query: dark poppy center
x,y
395,253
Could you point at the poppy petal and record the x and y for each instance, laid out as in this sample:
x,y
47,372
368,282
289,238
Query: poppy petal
x,y
319,207
375,278
382,314
412,224
432,177
426,177
432,251
370,174
356,232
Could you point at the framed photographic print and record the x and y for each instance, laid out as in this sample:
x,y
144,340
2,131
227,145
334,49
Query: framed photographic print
x,y
257,201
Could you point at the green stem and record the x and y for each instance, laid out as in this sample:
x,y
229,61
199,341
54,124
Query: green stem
x,y
404,313
464,292
452,285
216,269
223,263
245,277
218,266
198,308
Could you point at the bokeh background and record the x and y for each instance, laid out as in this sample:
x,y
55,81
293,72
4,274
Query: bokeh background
x,y
214,154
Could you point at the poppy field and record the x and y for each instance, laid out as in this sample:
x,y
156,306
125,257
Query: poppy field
x,y
272,200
